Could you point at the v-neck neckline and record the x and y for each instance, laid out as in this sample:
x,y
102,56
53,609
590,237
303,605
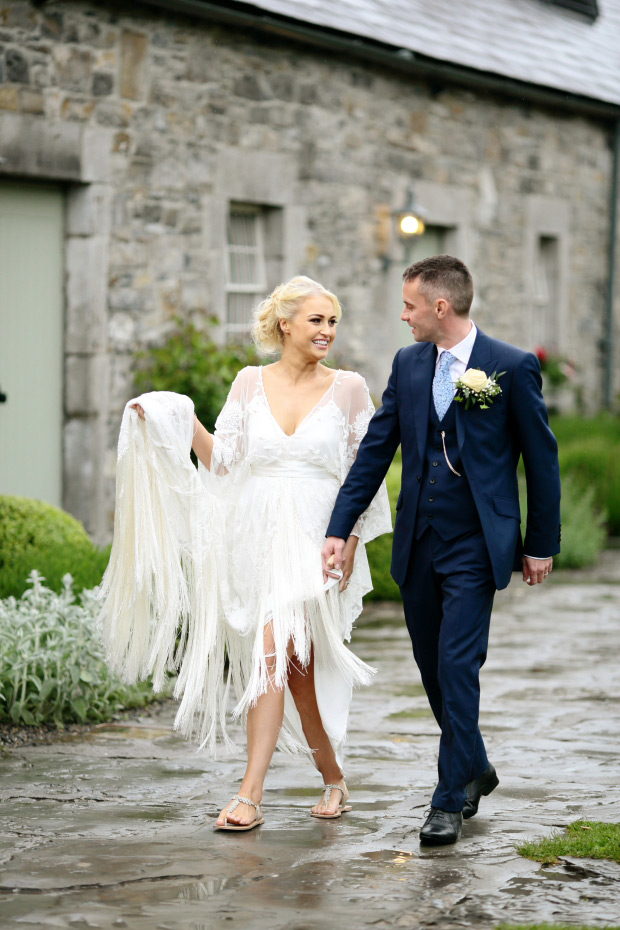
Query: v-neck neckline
x,y
307,416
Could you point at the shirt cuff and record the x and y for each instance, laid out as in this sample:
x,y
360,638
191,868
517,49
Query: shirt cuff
x,y
539,558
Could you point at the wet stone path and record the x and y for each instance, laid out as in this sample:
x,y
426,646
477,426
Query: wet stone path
x,y
114,828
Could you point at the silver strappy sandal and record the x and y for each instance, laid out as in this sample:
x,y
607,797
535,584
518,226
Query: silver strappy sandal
x,y
236,801
342,808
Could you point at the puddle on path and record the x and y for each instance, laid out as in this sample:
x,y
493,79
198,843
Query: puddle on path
x,y
123,731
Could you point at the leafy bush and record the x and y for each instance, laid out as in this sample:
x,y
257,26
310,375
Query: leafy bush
x,y
189,362
583,525
52,663
35,535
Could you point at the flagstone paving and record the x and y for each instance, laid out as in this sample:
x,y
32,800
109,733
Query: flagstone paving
x,y
114,828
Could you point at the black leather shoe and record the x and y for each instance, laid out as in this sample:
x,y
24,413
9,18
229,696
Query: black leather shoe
x,y
475,789
441,827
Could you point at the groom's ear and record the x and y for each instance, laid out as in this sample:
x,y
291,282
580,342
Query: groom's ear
x,y
441,307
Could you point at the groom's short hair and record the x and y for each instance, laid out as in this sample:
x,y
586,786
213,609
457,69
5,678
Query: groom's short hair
x,y
443,276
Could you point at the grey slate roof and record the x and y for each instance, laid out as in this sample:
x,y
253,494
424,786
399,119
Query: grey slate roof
x,y
523,39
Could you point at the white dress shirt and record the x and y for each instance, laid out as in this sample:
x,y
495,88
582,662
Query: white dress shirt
x,y
462,353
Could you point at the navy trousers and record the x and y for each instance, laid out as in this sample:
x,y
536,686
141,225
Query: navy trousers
x,y
448,597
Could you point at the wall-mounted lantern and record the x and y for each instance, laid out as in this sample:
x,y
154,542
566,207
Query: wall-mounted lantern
x,y
410,220
407,223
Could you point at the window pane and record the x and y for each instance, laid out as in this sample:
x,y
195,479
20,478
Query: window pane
x,y
242,229
243,267
239,313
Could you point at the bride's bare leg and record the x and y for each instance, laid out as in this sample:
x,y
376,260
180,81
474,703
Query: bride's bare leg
x,y
263,727
301,684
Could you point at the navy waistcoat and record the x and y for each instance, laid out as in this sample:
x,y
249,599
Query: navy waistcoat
x,y
446,503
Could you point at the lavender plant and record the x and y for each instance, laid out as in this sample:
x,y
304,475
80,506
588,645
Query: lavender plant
x,y
52,660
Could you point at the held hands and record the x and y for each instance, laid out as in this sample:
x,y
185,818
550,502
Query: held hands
x,y
338,554
536,570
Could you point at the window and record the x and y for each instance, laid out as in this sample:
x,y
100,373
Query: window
x,y
254,263
246,276
546,292
585,8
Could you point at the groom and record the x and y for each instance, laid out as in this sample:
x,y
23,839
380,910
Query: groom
x,y
457,533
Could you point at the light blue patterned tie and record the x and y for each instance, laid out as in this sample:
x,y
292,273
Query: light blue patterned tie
x,y
443,388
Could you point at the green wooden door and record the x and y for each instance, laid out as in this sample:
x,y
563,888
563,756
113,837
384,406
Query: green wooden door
x,y
31,341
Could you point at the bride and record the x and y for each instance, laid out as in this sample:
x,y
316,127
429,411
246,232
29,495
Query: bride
x,y
233,552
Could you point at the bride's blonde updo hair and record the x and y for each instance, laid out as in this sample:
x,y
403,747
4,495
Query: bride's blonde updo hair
x,y
282,304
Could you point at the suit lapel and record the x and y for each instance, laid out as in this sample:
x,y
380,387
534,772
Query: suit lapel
x,y
480,358
422,373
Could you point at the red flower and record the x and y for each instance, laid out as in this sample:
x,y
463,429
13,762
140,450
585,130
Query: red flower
x,y
541,354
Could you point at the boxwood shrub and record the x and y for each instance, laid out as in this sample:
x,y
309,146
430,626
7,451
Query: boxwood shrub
x,y
36,536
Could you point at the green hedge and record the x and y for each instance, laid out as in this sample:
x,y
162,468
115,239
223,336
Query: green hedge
x,y
574,429
37,536
590,455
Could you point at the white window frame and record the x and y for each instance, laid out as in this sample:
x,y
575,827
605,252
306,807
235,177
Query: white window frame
x,y
256,288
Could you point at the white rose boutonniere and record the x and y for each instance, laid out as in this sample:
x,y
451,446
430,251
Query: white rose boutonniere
x,y
476,388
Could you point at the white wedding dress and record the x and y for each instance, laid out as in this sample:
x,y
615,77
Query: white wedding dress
x,y
203,560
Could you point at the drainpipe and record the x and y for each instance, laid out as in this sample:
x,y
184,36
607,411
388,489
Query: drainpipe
x,y
607,341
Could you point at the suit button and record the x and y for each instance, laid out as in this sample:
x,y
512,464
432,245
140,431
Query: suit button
x,y
418,477
431,481
430,516
431,499
435,464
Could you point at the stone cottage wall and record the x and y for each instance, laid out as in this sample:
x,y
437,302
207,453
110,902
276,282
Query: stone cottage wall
x,y
155,122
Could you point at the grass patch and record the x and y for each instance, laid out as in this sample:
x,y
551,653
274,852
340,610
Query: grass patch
x,y
552,927
584,839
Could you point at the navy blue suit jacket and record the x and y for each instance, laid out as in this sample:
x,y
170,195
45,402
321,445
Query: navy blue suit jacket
x,y
491,442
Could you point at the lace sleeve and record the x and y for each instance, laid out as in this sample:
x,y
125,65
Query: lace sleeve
x,y
229,433
359,409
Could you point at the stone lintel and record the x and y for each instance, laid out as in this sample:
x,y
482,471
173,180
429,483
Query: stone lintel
x,y
31,146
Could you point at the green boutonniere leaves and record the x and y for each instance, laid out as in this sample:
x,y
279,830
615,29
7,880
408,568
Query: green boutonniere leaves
x,y
477,389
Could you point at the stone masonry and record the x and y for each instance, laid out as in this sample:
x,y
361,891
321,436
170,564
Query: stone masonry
x,y
155,122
